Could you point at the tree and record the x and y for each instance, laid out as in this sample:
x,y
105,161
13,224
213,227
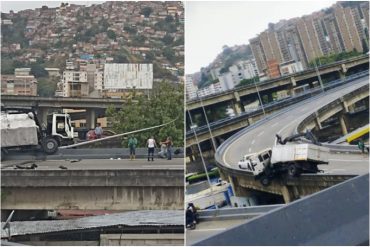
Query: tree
x,y
38,71
169,18
146,11
167,39
46,87
169,54
164,104
111,34
120,58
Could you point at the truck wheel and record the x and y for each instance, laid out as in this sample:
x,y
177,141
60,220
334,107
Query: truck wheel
x,y
50,145
293,170
265,181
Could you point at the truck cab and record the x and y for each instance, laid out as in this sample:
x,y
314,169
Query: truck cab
x,y
256,162
59,126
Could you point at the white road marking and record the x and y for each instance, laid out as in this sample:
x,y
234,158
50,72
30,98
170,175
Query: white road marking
x,y
261,133
206,230
249,150
253,141
275,124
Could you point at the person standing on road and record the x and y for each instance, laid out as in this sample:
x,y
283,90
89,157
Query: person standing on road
x,y
132,142
151,145
361,146
98,131
168,144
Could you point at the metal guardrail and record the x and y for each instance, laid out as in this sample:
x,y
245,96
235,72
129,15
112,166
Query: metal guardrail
x,y
284,102
229,213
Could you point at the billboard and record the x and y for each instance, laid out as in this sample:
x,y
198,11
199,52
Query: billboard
x,y
128,76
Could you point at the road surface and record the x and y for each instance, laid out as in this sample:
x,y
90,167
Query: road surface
x,y
263,136
98,164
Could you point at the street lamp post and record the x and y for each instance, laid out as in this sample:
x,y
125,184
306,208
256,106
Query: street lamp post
x,y
259,96
207,122
201,156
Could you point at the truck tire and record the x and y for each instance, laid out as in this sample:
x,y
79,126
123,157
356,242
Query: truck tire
x,y
49,145
293,170
265,180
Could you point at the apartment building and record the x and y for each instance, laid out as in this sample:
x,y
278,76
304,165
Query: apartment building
x,y
21,83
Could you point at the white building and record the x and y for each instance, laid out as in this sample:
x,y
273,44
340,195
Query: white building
x,y
75,84
210,89
290,67
22,71
191,89
226,81
126,76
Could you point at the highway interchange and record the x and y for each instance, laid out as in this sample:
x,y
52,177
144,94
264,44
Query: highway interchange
x,y
284,124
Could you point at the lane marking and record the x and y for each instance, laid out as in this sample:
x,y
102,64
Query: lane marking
x,y
250,149
261,133
253,141
212,229
275,124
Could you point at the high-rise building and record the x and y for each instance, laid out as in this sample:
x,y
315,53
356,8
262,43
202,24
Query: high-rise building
x,y
191,89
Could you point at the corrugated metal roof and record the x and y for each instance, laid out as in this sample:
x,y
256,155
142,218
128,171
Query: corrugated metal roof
x,y
135,218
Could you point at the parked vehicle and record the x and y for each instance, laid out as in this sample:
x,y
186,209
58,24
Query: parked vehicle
x,y
21,129
291,159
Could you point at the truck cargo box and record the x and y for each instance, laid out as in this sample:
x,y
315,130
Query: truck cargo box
x,y
299,152
18,130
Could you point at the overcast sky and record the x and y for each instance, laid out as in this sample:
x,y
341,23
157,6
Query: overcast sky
x,y
210,25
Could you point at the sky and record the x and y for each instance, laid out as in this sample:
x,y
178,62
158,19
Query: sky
x,y
209,25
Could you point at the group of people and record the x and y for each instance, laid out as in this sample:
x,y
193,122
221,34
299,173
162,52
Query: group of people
x,y
166,147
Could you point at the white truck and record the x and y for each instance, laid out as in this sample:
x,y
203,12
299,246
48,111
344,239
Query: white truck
x,y
292,159
20,129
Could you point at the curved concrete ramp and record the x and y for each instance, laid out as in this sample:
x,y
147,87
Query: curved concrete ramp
x,y
338,215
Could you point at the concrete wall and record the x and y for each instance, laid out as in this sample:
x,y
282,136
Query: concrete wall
x,y
142,239
93,189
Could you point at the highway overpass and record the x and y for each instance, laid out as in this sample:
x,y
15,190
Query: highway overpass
x,y
93,184
231,124
93,106
261,135
241,96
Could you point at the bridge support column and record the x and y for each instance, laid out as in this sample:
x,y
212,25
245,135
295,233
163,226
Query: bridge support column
x,y
287,195
342,121
90,118
237,189
292,80
318,125
42,115
292,92
237,105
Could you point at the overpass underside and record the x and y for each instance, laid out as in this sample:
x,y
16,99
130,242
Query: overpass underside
x,y
289,188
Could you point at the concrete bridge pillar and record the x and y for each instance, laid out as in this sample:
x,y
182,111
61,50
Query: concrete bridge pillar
x,y
342,121
42,115
318,125
293,81
238,106
237,189
90,118
287,194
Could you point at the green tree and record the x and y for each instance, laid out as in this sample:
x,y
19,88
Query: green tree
x,y
165,103
146,11
167,39
111,34
248,81
46,87
38,71
120,58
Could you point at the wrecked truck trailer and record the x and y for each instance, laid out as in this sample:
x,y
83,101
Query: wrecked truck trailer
x,y
290,159
20,129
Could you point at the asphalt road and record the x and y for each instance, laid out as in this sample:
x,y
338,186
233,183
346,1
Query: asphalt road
x,y
98,164
206,229
263,136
